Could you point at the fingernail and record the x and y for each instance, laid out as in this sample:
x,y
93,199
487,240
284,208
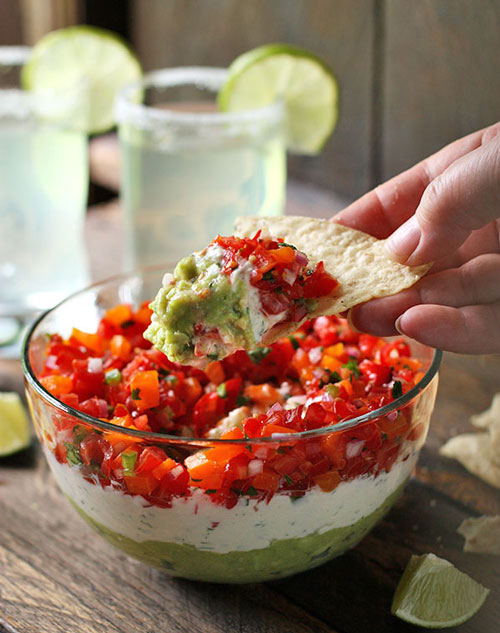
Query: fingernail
x,y
397,325
350,322
404,240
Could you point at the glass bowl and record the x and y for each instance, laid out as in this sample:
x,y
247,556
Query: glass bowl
x,y
317,493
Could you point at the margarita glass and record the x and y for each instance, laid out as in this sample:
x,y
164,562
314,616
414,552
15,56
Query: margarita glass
x,y
43,196
188,170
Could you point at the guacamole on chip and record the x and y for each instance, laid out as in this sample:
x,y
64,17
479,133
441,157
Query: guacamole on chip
x,y
248,290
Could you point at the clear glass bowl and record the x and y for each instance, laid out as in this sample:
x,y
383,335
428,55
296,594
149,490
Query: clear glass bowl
x,y
355,470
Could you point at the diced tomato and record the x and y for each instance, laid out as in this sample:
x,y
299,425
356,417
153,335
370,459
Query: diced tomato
x,y
150,458
320,283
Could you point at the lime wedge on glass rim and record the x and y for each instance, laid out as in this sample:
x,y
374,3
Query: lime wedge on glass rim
x,y
307,86
14,426
434,594
85,67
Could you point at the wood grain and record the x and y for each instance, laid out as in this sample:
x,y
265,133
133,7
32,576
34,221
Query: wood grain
x,y
440,76
189,32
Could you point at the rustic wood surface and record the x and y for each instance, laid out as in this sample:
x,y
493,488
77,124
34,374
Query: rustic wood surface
x,y
56,575
439,76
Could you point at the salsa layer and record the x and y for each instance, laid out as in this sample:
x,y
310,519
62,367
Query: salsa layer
x,y
323,374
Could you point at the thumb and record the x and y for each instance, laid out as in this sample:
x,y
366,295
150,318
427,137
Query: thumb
x,y
465,197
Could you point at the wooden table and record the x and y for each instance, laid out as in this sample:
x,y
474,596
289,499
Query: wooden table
x,y
56,575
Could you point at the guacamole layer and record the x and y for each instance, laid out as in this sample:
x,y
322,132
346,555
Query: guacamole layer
x,y
283,557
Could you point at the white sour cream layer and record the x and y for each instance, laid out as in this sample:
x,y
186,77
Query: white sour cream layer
x,y
249,525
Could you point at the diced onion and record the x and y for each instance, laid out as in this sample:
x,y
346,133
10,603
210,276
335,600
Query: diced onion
x,y
255,466
95,365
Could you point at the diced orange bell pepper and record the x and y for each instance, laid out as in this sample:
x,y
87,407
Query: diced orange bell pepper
x,y
141,484
93,342
328,481
165,467
143,314
191,390
120,346
283,255
119,314
269,429
215,372
264,394
145,389
57,385
331,363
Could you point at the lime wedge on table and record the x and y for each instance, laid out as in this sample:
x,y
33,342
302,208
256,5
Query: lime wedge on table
x,y
86,67
10,329
14,425
434,594
279,71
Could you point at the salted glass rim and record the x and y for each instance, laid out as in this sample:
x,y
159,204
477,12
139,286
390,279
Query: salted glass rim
x,y
165,438
14,55
212,78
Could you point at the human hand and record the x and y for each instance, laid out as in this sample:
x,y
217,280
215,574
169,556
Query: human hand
x,y
446,210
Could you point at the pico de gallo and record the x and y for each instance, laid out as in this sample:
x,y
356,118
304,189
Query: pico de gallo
x,y
232,294
321,375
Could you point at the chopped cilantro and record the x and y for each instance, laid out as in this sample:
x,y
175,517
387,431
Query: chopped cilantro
x,y
242,400
384,437
294,342
213,356
352,364
268,276
252,491
288,479
79,432
281,244
73,454
163,372
334,376
258,354
222,390
211,491
173,380
125,324
397,389
136,394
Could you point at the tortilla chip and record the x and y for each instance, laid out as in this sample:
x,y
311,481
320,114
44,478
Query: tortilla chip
x,y
476,453
482,534
490,417
480,452
357,260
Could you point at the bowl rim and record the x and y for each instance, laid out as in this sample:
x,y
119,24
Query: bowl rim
x,y
102,425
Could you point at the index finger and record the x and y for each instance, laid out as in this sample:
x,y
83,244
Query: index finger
x,y
381,211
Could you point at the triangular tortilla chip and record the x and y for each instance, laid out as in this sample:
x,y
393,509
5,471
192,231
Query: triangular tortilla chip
x,y
482,534
357,260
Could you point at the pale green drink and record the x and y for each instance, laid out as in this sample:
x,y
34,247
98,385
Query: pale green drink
x,y
43,196
187,170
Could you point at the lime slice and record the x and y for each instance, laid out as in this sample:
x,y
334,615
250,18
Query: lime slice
x,y
279,71
85,67
434,594
10,329
14,425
